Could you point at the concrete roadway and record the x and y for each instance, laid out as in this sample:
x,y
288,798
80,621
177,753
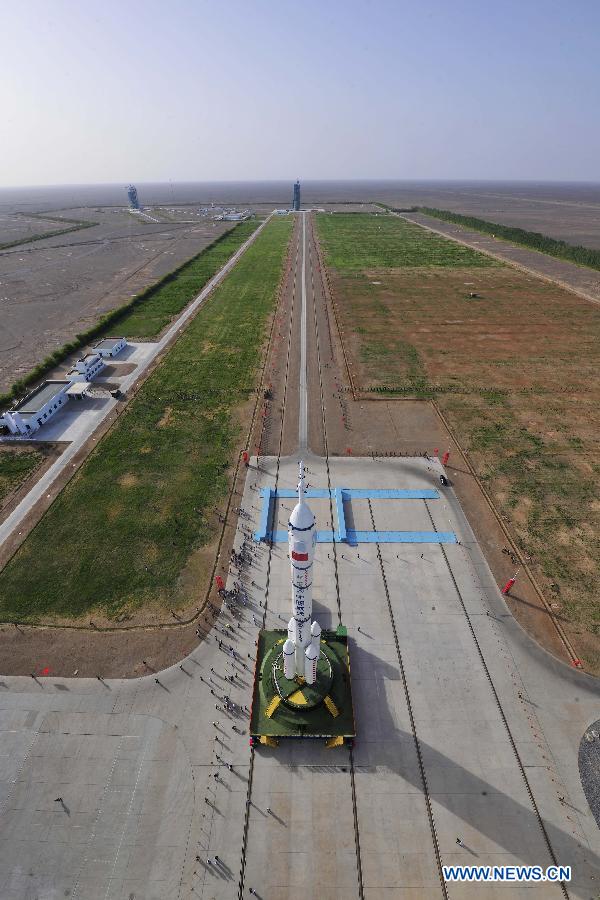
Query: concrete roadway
x,y
466,729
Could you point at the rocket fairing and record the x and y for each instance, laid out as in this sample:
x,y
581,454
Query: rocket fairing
x,y
302,537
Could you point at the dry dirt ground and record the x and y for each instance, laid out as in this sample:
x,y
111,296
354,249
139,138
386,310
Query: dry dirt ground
x,y
514,371
566,212
56,287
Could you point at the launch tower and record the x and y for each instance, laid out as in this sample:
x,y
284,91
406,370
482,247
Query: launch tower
x,y
132,195
296,199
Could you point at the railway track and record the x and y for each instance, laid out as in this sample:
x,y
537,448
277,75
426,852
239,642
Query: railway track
x,y
349,768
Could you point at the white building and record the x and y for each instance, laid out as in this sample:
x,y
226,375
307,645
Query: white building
x,y
36,408
233,216
86,368
109,347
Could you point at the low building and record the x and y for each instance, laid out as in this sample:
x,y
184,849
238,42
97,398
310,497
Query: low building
x,y
233,216
109,347
86,368
36,408
281,212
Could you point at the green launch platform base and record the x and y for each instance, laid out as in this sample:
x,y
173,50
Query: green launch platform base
x,y
283,708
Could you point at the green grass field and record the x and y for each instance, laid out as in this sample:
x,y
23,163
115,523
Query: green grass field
x,y
159,305
356,241
15,466
120,534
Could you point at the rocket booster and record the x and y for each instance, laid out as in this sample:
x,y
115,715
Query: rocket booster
x,y
302,537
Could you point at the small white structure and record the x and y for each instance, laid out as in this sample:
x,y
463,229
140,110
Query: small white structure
x,y
232,215
109,347
86,368
36,408
281,212
78,390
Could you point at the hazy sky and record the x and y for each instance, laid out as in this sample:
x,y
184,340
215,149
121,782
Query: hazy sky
x,y
265,89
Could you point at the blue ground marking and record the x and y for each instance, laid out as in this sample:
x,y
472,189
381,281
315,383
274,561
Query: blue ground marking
x,y
341,518
351,536
361,493
263,524
377,537
390,494
401,537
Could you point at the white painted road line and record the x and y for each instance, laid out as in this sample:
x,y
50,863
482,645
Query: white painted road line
x,y
303,416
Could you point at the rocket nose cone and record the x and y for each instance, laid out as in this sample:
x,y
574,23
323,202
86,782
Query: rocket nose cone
x,y
288,647
315,629
302,516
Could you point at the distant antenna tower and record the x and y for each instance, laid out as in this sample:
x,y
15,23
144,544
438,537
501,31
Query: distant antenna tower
x,y
296,200
134,203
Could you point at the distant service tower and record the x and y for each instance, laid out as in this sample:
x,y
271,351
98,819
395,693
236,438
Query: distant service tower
x,y
296,200
134,203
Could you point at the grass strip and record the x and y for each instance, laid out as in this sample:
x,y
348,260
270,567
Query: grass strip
x,y
534,240
15,466
356,241
121,533
157,305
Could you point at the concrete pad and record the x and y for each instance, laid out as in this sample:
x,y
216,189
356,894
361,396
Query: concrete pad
x,y
135,763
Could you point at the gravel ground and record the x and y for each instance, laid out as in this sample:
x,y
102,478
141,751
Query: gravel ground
x,y
589,768
54,288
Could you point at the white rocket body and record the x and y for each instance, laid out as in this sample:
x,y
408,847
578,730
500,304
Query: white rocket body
x,y
289,659
302,537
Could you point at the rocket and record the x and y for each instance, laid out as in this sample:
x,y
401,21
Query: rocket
x,y
302,649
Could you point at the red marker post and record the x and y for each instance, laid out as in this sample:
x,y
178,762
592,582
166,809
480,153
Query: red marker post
x,y
246,458
445,458
219,582
510,583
